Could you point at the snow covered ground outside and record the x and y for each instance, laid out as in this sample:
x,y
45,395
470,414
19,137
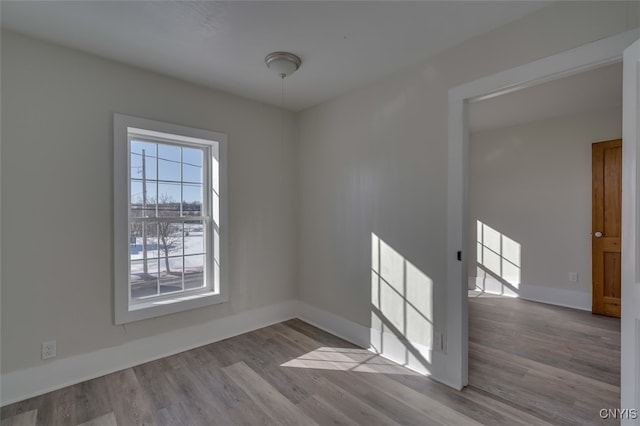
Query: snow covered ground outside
x,y
186,256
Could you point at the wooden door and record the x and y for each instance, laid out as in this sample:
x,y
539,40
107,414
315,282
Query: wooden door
x,y
606,227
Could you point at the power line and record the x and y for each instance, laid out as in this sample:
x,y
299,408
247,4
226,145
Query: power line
x,y
170,182
166,159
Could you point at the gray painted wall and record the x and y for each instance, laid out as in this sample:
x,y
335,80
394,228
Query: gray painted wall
x,y
532,184
57,196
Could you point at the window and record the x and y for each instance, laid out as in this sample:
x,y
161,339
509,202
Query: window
x,y
169,218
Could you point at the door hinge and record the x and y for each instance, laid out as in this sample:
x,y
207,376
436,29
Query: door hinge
x,y
460,256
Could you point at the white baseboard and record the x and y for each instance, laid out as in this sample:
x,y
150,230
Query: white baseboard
x,y
391,347
637,363
348,330
552,296
568,298
23,384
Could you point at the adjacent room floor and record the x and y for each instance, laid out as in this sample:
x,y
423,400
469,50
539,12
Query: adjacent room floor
x,y
559,364
530,364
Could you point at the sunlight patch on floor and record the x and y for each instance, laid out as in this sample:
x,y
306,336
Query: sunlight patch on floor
x,y
347,359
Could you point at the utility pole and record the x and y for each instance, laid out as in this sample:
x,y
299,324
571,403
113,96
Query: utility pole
x,y
144,213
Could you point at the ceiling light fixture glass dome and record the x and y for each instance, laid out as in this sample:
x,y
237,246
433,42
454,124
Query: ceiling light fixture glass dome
x,y
283,63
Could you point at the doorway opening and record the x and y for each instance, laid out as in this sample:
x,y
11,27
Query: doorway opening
x,y
530,198
584,58
530,235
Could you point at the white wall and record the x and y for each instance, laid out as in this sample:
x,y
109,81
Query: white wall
x,y
532,184
373,161
57,197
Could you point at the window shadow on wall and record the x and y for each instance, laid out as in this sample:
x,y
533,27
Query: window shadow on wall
x,y
401,307
498,262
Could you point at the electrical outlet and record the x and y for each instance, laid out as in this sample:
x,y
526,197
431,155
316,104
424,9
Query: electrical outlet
x,y
438,341
49,349
573,277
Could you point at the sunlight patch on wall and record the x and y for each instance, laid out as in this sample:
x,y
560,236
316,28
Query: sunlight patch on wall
x,y
401,306
498,260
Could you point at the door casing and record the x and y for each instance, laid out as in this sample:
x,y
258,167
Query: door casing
x,y
574,61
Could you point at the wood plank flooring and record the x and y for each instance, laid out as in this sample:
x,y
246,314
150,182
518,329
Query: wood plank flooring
x,y
530,364
559,364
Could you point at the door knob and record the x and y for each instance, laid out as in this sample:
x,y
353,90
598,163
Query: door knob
x,y
598,234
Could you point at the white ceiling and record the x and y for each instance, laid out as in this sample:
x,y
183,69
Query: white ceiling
x,y
343,45
594,90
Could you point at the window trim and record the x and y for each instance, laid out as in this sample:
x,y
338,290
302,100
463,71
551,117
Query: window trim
x,y
124,310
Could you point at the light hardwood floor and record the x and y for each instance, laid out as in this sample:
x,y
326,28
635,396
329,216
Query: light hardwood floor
x,y
530,364
559,364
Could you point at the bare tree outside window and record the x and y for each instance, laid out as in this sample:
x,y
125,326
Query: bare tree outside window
x,y
169,233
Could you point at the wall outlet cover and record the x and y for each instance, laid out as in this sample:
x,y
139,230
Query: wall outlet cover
x,y
438,341
49,349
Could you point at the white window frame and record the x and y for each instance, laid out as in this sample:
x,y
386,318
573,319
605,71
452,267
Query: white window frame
x,y
128,310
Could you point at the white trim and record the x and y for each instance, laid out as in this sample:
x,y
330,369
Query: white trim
x,y
637,406
556,296
537,293
59,373
395,349
630,338
348,330
563,64
212,143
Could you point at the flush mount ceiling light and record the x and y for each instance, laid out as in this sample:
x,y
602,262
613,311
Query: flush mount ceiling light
x,y
283,63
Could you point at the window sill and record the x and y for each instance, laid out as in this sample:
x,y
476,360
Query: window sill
x,y
156,308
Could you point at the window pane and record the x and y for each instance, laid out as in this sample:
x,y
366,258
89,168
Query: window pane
x,y
143,284
192,199
138,206
216,261
170,242
138,233
216,277
216,246
168,199
215,207
140,151
169,163
170,274
193,272
192,165
136,199
215,175
194,237
170,239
